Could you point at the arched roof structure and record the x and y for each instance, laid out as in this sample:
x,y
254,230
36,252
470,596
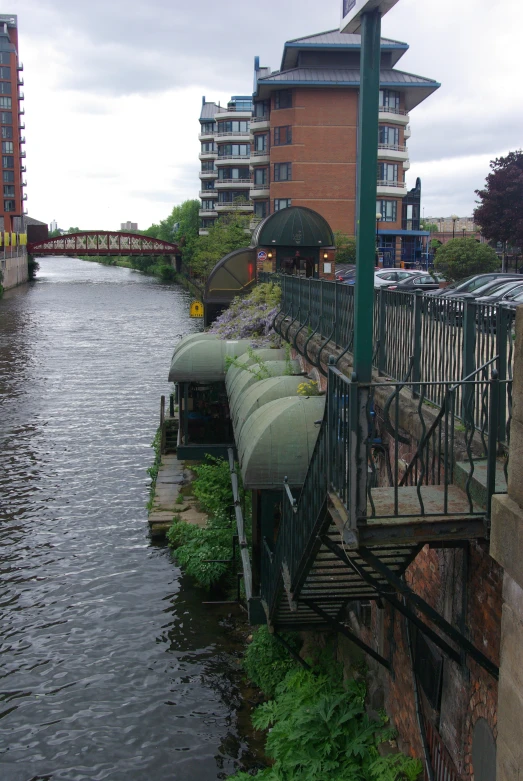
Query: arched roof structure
x,y
296,226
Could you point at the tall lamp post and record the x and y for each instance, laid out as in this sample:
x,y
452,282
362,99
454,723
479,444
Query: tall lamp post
x,y
454,217
378,218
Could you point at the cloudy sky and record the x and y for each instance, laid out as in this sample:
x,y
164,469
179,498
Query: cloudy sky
x,y
113,91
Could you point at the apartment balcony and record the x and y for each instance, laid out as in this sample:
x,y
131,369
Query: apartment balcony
x,y
259,191
254,222
260,123
389,114
231,113
23,183
22,140
227,159
208,194
23,169
406,165
20,81
208,174
208,155
227,184
391,187
260,157
21,96
22,153
206,136
234,207
21,110
239,136
392,152
21,126
406,132
207,213
24,197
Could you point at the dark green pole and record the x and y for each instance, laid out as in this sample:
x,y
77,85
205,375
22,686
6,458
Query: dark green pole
x,y
366,198
365,259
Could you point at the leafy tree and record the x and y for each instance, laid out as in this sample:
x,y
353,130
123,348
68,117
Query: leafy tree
x,y
432,227
500,210
460,258
345,247
55,234
73,230
227,234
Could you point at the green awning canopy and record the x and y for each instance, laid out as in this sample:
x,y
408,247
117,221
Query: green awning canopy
x,y
260,393
251,359
245,379
203,360
295,226
233,275
278,440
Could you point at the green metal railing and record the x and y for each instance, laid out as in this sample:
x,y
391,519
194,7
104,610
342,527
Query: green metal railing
x,y
416,336
417,473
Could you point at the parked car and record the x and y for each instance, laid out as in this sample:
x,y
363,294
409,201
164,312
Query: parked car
x,y
346,272
386,276
418,281
513,301
472,283
500,292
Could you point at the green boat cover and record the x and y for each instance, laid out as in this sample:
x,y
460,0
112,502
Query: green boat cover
x,y
260,393
245,379
203,360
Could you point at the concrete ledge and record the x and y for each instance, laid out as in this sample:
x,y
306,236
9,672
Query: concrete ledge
x,y
506,536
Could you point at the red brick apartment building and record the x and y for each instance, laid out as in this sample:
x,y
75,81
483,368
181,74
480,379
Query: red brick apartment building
x,y
303,136
11,113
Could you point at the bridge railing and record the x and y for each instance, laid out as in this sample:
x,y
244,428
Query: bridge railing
x,y
416,336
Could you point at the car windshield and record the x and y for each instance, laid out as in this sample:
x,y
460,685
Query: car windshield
x,y
491,286
517,299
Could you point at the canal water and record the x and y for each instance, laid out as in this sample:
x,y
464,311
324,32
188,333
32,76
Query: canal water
x,y
110,666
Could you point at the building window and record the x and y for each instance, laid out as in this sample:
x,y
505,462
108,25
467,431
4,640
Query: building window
x,y
388,172
9,176
260,176
5,102
281,203
261,108
282,172
9,189
234,126
7,132
208,205
260,142
234,150
9,206
234,173
6,117
7,147
5,73
231,196
5,58
208,147
208,127
208,185
389,135
8,162
389,98
387,209
261,209
207,165
206,222
283,98
282,135
5,87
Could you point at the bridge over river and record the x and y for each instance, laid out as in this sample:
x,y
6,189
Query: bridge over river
x,y
102,243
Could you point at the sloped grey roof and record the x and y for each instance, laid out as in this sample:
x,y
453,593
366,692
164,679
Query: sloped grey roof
x,y
335,38
344,77
210,109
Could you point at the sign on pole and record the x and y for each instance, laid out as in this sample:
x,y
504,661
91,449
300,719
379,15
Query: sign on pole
x,y
351,11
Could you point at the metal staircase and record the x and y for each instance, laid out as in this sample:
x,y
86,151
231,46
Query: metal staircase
x,y
373,498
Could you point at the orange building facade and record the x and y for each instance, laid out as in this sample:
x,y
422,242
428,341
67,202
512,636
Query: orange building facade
x,y
11,124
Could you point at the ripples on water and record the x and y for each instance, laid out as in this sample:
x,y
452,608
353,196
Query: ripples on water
x,y
110,668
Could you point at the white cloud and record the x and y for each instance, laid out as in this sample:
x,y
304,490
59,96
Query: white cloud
x,y
113,93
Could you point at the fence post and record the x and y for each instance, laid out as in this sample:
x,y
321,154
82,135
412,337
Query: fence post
x,y
382,322
162,425
503,318
492,446
416,347
469,351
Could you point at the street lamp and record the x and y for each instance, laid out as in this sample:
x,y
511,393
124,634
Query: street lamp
x,y
464,229
454,217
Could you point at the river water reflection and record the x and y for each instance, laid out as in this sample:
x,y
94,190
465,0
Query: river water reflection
x,y
110,667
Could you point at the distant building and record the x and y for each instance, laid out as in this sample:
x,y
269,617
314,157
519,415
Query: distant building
x,y
11,113
453,224
129,226
225,177
53,226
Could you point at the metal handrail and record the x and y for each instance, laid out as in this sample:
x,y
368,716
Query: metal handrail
x,y
265,118
390,183
390,110
241,133
395,147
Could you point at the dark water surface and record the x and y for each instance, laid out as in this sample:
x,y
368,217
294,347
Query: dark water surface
x,y
110,667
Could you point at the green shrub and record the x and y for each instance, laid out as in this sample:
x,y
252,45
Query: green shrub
x,y
318,730
267,662
213,486
196,545
459,258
